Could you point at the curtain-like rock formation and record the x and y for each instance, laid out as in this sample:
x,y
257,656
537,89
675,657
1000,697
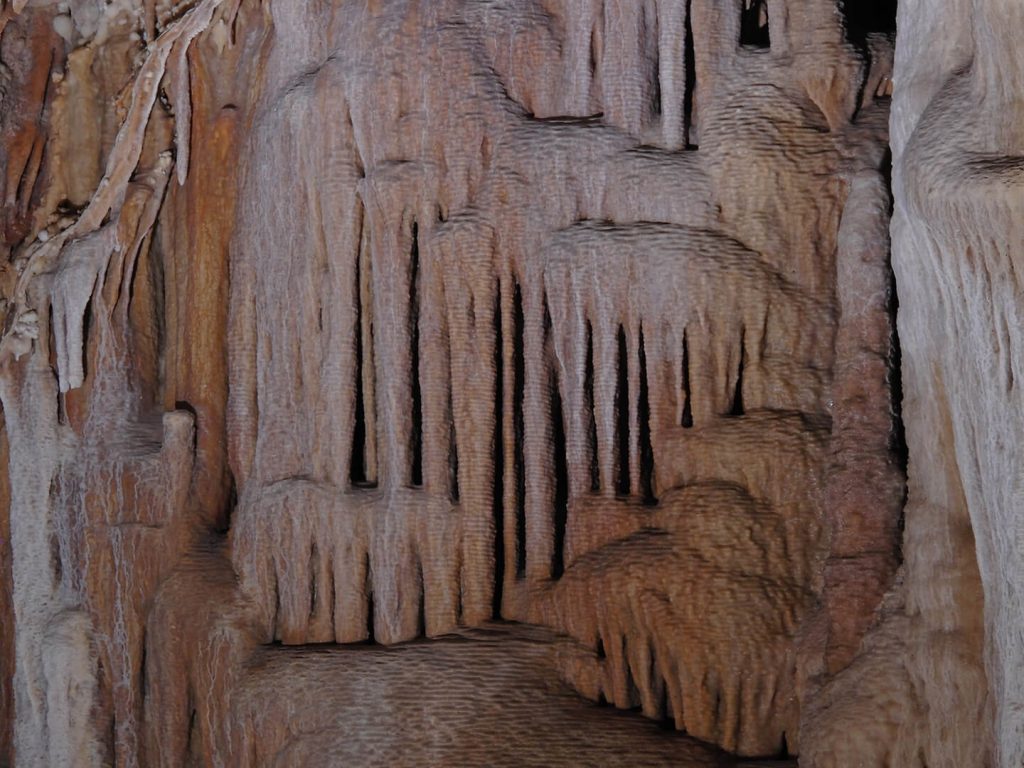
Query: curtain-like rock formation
x,y
339,323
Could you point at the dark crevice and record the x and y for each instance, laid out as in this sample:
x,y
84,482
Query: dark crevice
x,y
865,17
622,415
667,721
191,739
754,24
599,650
784,748
62,416
498,453
595,52
519,427
690,60
275,624
368,589
687,420
898,448
632,689
86,329
416,438
559,458
357,462
453,452
230,505
737,397
333,597
458,597
56,558
588,388
644,427
314,571
649,21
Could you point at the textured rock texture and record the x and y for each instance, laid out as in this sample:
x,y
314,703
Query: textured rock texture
x,y
539,353
954,633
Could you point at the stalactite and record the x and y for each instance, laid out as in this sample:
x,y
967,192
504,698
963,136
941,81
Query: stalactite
x,y
495,348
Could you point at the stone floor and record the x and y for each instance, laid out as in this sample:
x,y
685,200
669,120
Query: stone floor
x,y
484,698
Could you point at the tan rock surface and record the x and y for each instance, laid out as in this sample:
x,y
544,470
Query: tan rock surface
x,y
381,321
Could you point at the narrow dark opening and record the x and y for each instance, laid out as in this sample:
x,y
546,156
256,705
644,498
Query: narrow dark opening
x,y
368,589
453,452
650,26
190,742
599,650
314,572
357,464
667,721
561,467
416,437
230,505
784,748
52,340
622,415
595,52
644,427
86,329
737,397
421,630
754,24
498,458
687,421
560,459
519,426
690,59
897,434
588,387
56,558
865,17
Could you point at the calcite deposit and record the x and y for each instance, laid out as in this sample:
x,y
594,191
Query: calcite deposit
x,y
420,382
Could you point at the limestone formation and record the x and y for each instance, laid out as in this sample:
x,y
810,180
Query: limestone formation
x,y
394,382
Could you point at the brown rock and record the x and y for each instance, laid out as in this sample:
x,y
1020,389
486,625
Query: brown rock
x,y
390,324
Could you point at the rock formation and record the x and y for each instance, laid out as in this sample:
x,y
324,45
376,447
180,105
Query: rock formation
x,y
378,375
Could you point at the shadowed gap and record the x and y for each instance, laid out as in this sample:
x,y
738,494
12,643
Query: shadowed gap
x,y
588,389
622,416
453,452
416,438
649,23
687,421
754,24
357,463
690,60
559,458
498,458
368,591
737,397
519,427
864,17
644,427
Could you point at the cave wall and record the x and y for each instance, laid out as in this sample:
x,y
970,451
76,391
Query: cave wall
x,y
347,322
956,637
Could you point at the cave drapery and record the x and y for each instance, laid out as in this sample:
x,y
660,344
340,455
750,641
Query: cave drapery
x,y
381,374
